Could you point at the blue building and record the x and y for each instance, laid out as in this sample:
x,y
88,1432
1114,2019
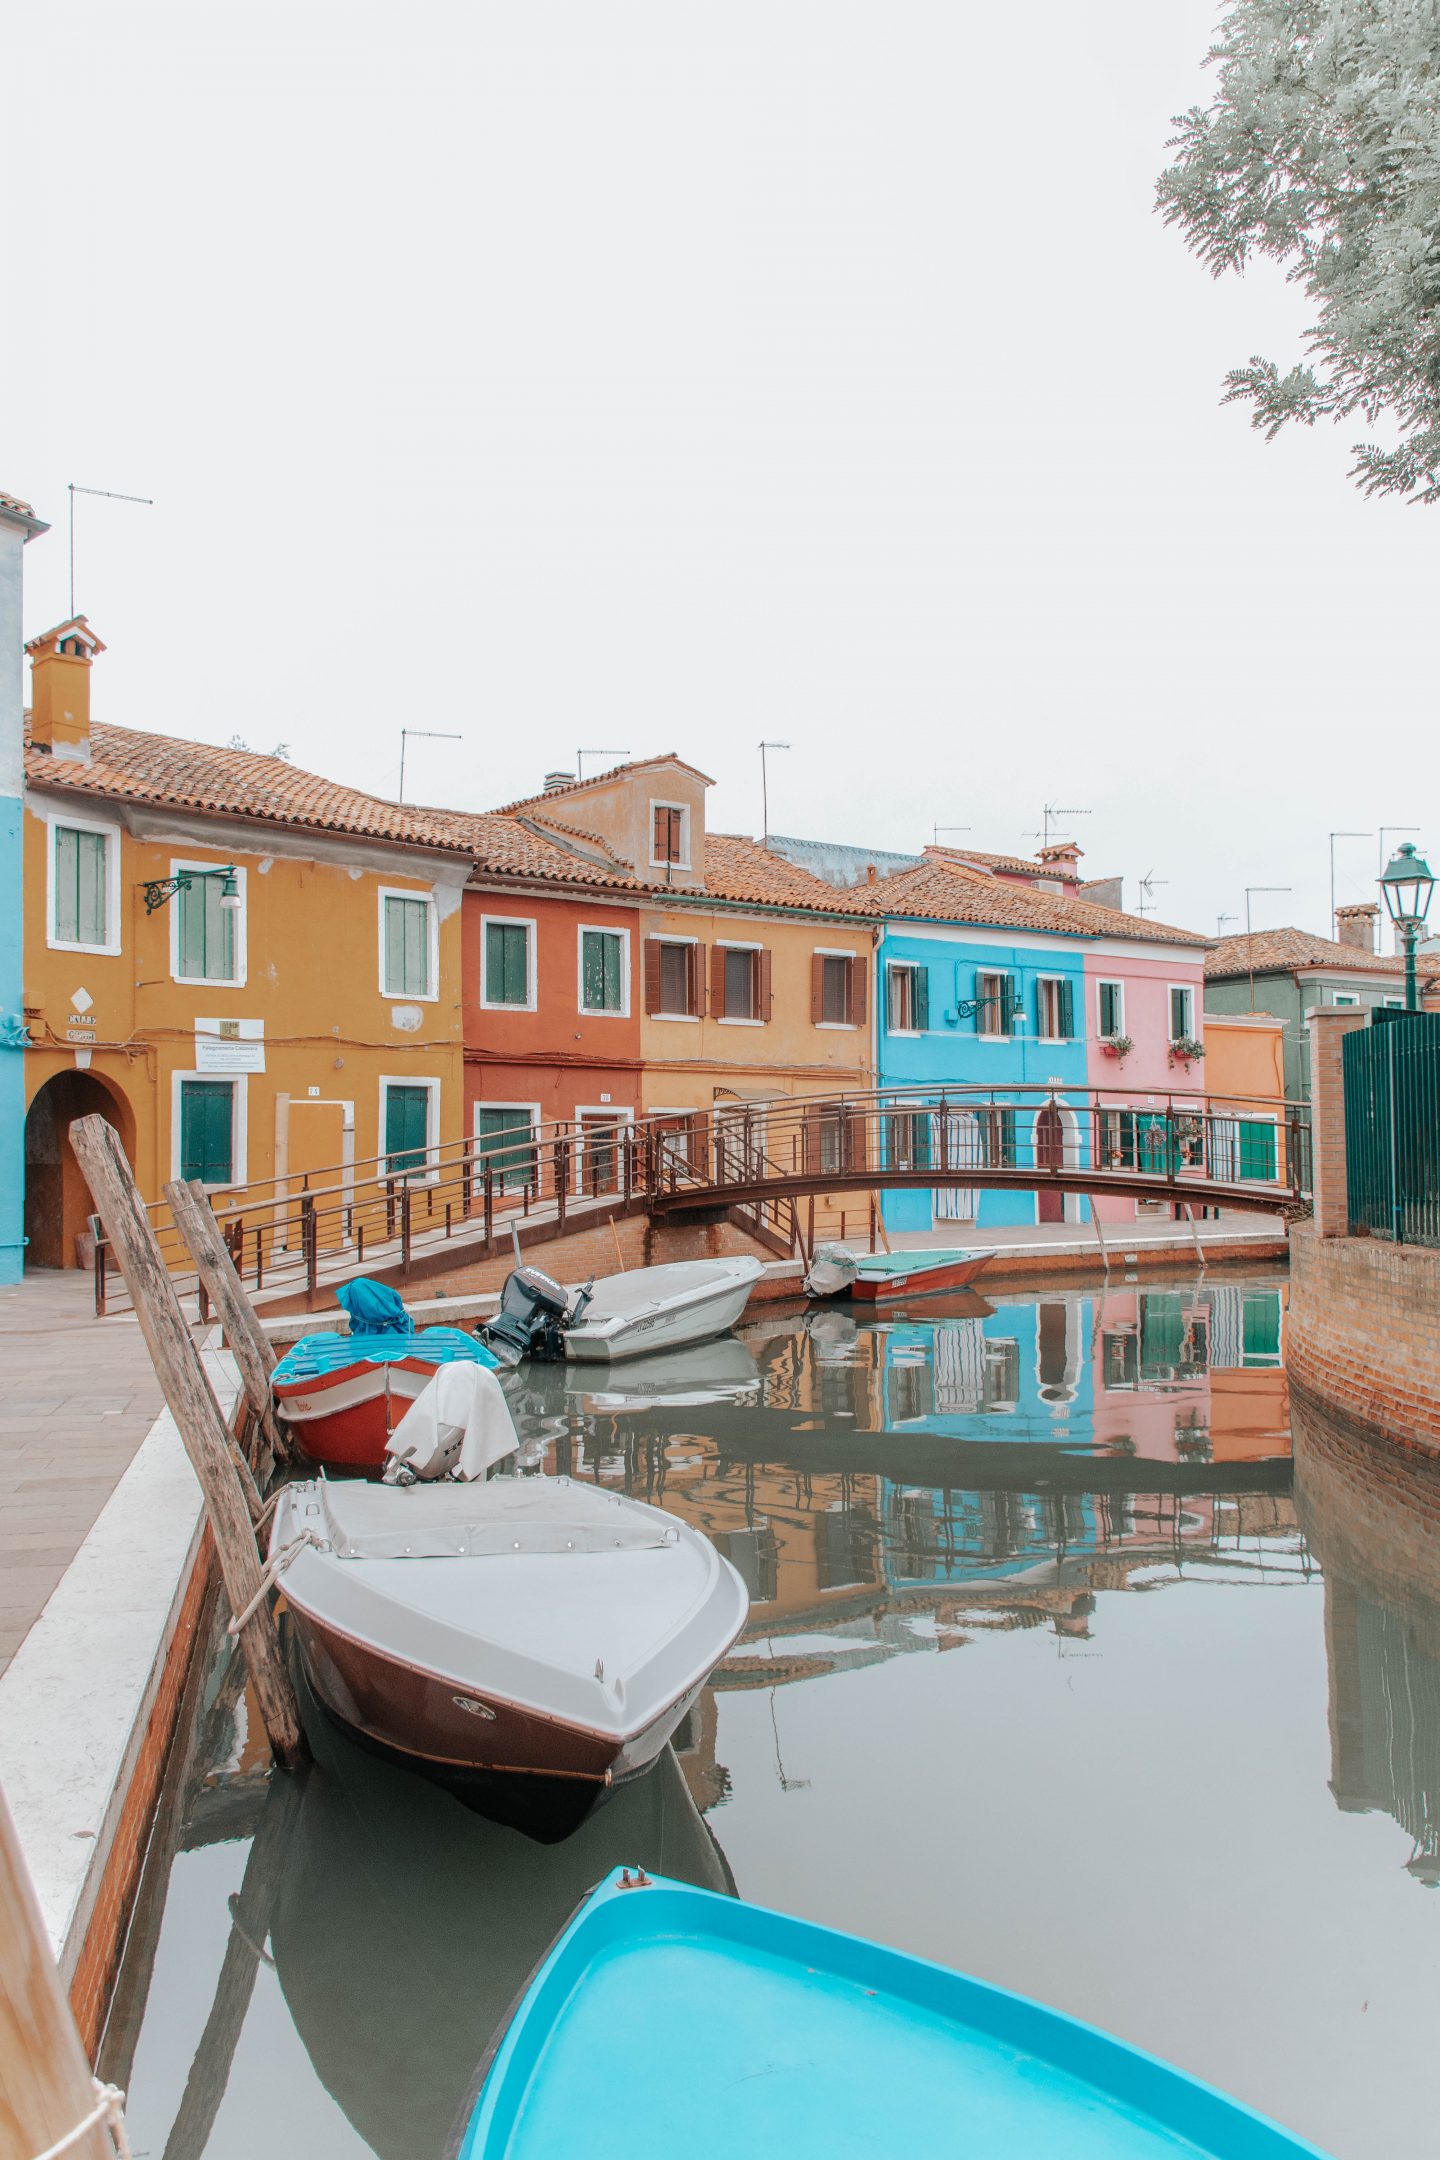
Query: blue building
x,y
965,1004
18,523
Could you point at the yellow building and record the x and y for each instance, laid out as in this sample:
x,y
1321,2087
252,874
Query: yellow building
x,y
252,972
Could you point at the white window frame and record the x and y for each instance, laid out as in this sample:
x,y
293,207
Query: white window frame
x,y
528,924
1056,980
54,821
239,1085
995,975
1395,1003
663,862
430,1175
1187,990
591,1012
1345,997
911,967
738,945
837,952
410,997
1109,982
669,937
239,916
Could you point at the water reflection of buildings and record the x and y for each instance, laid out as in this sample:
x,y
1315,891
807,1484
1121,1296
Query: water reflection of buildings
x,y
904,1485
1371,1514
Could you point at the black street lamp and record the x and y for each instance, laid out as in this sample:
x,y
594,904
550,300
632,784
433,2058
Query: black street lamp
x,y
1407,886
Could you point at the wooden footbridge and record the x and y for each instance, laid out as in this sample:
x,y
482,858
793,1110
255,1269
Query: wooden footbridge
x,y
762,1165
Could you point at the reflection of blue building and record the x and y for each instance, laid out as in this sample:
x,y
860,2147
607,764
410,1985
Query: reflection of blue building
x,y
17,525
1027,1026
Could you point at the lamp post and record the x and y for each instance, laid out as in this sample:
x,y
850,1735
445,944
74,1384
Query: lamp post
x,y
1408,886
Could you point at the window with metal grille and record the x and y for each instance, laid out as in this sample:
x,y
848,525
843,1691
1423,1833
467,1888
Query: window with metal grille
x,y
835,989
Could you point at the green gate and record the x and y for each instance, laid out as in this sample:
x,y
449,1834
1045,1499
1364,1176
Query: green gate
x,y
1392,1126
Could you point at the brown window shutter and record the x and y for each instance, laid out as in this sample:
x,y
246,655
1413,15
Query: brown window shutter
x,y
652,975
859,981
764,1000
718,1008
817,988
697,980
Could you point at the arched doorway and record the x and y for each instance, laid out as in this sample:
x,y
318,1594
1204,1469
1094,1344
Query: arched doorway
x,y
1049,1155
57,1198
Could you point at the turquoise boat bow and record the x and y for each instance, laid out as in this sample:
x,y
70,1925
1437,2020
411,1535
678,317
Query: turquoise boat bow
x,y
671,2024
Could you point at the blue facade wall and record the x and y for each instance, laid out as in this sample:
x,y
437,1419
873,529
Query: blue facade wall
x,y
12,1057
953,1052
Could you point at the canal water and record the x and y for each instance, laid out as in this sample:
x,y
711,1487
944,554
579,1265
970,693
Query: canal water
x,y
1062,1669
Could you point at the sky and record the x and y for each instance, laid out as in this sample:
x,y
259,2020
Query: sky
x,y
645,376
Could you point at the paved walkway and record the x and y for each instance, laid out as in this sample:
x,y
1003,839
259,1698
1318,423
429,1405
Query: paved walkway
x,y
77,1396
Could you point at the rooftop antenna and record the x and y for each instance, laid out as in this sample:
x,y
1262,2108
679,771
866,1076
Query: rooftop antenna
x,y
1148,884
581,755
1249,933
1344,836
1220,922
1051,812
950,828
113,495
765,787
432,735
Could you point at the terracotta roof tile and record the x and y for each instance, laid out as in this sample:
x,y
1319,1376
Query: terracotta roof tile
x,y
950,892
15,505
1270,952
579,787
983,859
128,766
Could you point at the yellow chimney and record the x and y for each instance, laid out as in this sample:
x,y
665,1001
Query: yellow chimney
x,y
60,687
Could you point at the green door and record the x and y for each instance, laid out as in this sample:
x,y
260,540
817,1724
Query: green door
x,y
1257,1149
407,1118
206,1131
502,1140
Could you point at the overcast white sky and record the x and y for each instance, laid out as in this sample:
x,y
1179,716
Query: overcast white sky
x,y
642,375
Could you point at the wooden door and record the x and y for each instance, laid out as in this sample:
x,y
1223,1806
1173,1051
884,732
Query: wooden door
x,y
1050,1155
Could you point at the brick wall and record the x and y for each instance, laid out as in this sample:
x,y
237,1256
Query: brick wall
x,y
1363,1336
1371,1515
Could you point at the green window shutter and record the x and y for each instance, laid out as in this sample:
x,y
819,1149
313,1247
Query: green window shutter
x,y
407,1119
1260,1328
610,947
502,1139
1067,1008
1177,1015
593,971
407,947
1109,1009
922,1003
920,1134
206,1131
189,904
1257,1149
507,954
80,886
1007,1004
205,931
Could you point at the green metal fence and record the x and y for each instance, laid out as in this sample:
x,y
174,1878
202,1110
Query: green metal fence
x,y
1392,1127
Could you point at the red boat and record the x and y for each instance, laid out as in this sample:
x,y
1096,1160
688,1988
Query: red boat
x,y
345,1394
884,1278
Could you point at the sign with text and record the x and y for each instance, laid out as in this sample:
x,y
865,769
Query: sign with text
x,y
229,1046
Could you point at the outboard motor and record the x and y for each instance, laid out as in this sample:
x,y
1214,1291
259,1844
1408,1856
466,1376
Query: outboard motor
x,y
534,1312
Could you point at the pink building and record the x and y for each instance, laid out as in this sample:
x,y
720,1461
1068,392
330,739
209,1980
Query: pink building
x,y
1144,1034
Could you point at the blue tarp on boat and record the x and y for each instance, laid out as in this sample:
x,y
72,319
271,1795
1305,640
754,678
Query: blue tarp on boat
x,y
668,2021
325,1353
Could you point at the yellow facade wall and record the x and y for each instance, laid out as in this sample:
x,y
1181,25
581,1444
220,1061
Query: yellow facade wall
x,y
115,1030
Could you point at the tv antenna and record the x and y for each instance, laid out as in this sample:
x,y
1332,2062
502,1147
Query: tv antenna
x,y
581,755
1148,883
950,828
1051,812
110,495
414,733
1220,922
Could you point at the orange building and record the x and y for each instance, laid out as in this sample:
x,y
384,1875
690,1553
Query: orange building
x,y
250,971
1245,1080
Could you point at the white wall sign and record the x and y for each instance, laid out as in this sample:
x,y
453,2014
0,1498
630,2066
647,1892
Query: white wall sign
x,y
229,1046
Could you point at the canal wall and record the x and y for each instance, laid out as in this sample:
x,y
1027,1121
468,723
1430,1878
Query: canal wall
x,y
1364,1333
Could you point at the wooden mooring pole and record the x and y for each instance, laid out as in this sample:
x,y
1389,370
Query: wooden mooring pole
x,y
192,1404
195,1220
45,2082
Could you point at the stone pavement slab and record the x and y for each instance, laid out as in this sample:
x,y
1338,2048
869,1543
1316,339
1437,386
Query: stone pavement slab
x,y
77,1397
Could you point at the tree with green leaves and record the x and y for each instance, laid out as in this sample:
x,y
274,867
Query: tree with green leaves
x,y
1321,150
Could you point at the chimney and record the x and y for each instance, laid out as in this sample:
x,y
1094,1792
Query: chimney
x,y
870,877
556,780
60,688
1357,925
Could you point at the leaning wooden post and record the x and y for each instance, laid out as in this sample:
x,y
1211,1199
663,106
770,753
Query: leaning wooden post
x,y
192,1404
195,1220
45,2082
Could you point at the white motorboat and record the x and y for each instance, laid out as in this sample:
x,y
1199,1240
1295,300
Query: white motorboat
x,y
661,1308
524,1626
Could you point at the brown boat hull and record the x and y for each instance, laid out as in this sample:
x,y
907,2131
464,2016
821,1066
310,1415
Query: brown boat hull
x,y
920,1282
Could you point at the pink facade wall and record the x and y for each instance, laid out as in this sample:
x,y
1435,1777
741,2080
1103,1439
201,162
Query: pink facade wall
x,y
1145,1079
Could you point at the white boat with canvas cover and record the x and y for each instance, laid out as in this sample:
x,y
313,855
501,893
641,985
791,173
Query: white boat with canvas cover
x,y
661,1308
526,1625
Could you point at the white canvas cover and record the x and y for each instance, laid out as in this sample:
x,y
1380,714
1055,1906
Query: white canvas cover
x,y
503,1519
833,1269
458,1424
